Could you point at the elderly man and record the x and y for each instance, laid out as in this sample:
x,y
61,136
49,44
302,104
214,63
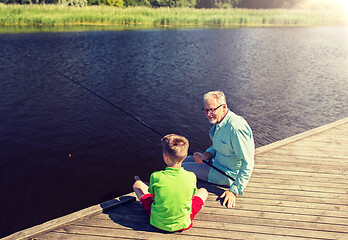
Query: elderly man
x,y
232,149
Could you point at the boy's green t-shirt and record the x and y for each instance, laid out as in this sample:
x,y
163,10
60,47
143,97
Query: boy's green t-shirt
x,y
173,189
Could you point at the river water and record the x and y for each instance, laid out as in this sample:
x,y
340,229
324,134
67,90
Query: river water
x,y
62,148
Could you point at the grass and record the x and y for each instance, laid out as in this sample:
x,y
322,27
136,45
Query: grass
x,y
59,15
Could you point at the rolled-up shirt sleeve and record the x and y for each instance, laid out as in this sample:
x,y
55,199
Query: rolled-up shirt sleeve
x,y
243,145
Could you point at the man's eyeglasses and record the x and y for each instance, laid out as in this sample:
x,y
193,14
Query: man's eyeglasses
x,y
211,110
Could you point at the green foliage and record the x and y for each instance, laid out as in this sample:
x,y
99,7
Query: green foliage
x,y
170,3
94,2
62,15
25,1
186,3
115,3
257,4
162,3
218,3
253,4
205,4
134,3
76,3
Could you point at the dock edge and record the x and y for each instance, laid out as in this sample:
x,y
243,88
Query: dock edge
x,y
299,136
59,222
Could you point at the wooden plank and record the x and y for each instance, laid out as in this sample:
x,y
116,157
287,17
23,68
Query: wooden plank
x,y
292,204
284,182
305,150
141,217
309,172
143,231
257,212
296,198
302,174
278,223
309,179
255,193
64,236
289,186
279,158
324,141
276,215
288,150
290,169
47,226
276,207
260,197
211,223
300,136
273,158
301,167
312,158
288,210
293,193
338,130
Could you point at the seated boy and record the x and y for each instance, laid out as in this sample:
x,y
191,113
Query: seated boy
x,y
172,199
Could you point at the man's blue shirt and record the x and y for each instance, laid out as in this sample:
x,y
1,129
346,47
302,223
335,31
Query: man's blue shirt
x,y
233,149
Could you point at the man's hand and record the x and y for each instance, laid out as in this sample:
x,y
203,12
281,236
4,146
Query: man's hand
x,y
230,199
200,157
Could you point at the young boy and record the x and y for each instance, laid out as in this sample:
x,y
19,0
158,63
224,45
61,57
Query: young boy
x,y
172,199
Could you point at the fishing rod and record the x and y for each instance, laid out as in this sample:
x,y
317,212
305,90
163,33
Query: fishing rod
x,y
125,112
101,97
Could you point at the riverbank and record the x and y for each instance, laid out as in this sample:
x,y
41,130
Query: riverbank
x,y
23,16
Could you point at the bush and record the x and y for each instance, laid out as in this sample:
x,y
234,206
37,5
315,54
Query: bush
x,y
135,3
115,3
77,3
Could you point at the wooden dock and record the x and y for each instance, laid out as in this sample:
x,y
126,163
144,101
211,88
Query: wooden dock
x,y
298,190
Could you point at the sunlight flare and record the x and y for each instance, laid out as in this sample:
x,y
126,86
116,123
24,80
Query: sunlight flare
x,y
338,6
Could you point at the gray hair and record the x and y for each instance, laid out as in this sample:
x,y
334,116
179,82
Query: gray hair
x,y
218,95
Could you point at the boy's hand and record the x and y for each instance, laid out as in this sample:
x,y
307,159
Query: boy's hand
x,y
230,199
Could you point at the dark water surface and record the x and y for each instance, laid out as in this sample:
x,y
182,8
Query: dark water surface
x,y
283,81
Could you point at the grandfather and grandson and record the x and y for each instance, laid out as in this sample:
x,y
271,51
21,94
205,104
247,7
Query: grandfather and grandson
x,y
172,199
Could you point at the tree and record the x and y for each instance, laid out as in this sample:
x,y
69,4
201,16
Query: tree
x,y
115,3
205,4
186,3
268,3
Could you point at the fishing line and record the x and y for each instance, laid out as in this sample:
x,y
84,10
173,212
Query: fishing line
x,y
125,112
101,97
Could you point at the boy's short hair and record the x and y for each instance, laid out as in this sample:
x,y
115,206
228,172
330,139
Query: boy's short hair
x,y
175,147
